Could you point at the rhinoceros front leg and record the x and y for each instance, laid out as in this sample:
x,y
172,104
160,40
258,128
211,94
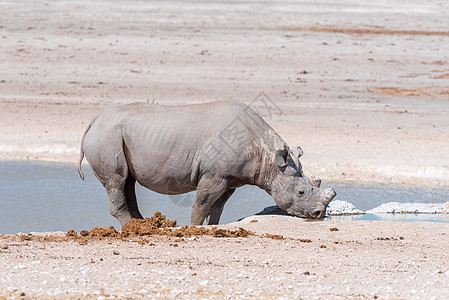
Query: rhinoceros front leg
x,y
208,191
217,208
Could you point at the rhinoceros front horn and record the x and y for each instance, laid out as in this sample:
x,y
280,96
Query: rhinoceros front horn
x,y
329,194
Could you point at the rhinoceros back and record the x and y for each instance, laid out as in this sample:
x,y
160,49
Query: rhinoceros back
x,y
167,148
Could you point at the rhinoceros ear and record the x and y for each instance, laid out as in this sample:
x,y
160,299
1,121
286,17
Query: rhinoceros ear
x,y
281,157
298,152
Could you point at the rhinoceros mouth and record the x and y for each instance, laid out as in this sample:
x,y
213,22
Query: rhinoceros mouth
x,y
306,215
299,214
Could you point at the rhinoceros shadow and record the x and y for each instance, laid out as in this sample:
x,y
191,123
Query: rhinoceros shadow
x,y
272,210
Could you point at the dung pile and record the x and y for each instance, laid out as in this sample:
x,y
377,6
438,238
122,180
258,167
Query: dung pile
x,y
103,232
159,225
148,226
188,231
156,225
97,232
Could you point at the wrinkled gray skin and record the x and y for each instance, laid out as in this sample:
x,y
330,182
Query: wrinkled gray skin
x,y
212,148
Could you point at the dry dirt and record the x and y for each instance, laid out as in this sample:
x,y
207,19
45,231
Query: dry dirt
x,y
312,260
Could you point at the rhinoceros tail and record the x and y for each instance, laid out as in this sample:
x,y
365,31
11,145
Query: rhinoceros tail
x,y
80,172
79,165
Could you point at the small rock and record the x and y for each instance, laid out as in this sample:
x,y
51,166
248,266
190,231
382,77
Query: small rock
x,y
115,252
85,272
204,282
338,207
84,233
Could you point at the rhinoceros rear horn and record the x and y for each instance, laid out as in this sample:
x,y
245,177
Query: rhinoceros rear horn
x,y
298,152
281,157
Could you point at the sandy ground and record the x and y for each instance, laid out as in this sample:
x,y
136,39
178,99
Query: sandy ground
x,y
362,260
362,87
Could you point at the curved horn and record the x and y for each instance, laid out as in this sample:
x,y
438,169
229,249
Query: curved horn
x,y
329,195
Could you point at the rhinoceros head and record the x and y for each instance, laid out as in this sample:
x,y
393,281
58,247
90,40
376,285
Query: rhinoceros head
x,y
296,194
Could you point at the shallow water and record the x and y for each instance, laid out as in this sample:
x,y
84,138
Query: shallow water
x,y
37,196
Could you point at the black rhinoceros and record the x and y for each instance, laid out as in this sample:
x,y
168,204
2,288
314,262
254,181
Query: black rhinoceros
x,y
212,148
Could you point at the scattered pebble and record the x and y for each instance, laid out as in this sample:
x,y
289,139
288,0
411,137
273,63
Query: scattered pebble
x,y
204,282
305,240
273,236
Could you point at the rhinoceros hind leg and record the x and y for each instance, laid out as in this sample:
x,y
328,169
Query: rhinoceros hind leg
x,y
117,201
113,173
131,200
208,191
217,208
